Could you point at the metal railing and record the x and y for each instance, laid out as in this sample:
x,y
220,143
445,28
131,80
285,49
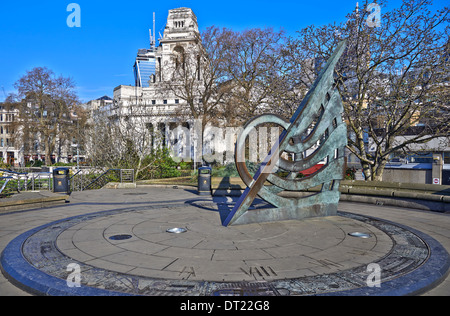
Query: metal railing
x,y
6,179
13,180
76,181
83,179
40,181
126,175
103,179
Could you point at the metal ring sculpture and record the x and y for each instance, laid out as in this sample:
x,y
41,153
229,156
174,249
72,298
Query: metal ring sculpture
x,y
319,116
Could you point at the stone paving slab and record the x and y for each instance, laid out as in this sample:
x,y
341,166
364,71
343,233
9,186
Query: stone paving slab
x,y
290,257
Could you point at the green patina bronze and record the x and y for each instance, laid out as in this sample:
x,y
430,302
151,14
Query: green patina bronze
x,y
328,136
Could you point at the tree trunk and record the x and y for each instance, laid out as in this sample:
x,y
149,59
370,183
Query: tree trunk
x,y
367,171
378,172
48,160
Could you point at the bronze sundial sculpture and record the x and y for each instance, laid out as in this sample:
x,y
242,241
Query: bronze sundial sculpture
x,y
322,104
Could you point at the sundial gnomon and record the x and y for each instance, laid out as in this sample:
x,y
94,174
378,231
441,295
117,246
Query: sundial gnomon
x,y
317,124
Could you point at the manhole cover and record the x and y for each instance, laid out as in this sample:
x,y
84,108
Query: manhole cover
x,y
120,237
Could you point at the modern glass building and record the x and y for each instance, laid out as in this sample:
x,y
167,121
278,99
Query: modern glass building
x,y
145,67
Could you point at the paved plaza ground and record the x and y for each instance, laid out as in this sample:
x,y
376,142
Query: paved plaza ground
x,y
119,239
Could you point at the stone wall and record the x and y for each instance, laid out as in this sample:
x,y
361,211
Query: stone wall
x,y
422,176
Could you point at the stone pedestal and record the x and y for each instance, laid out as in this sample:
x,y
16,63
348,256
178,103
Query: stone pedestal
x,y
436,170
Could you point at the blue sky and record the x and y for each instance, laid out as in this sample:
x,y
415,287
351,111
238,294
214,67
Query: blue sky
x,y
100,54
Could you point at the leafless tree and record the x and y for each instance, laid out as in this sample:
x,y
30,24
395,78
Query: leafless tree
x,y
197,77
393,78
49,112
254,64
125,139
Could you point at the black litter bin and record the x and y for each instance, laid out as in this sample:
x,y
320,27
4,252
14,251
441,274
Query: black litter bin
x,y
204,180
61,180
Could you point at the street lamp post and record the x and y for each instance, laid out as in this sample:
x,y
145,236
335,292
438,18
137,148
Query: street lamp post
x,y
78,156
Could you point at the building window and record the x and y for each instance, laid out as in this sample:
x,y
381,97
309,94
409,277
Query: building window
x,y
179,24
179,57
447,157
153,102
165,101
198,68
177,101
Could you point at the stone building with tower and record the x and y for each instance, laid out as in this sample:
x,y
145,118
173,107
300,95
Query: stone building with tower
x,y
149,104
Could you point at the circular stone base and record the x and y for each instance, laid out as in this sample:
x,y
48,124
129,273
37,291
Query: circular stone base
x,y
310,257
